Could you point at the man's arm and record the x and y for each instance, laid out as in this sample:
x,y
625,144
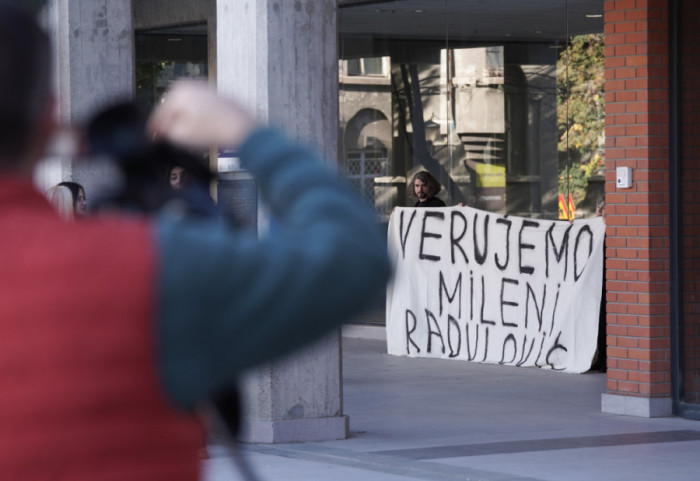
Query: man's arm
x,y
229,300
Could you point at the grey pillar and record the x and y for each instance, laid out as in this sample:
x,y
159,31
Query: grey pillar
x,y
94,65
281,58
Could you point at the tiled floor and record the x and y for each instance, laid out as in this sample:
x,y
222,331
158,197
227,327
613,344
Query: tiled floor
x,y
433,419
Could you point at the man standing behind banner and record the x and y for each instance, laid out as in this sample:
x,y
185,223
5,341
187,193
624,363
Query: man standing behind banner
x,y
424,186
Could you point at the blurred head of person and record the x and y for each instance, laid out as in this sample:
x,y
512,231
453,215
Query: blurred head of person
x,y
176,177
27,119
61,199
424,186
79,199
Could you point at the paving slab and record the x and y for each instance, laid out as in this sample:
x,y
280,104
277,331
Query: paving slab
x,y
433,419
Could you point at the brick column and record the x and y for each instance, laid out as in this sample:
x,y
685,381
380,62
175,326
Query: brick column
x,y
637,245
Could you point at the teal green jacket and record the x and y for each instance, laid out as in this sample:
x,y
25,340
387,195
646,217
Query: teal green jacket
x,y
229,300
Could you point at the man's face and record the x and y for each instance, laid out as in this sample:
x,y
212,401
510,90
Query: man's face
x,y
420,189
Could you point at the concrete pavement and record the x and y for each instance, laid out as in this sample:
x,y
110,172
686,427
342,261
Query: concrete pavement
x,y
431,419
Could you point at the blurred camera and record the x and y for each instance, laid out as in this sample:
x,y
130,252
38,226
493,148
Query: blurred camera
x,y
118,133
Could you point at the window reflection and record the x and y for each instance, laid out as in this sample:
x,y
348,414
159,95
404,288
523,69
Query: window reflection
x,y
164,55
484,116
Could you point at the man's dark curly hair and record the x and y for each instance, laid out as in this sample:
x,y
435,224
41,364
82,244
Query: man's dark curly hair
x,y
428,179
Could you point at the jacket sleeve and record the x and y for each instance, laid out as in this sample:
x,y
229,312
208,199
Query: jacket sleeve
x,y
228,300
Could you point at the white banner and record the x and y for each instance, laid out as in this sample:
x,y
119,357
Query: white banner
x,y
478,286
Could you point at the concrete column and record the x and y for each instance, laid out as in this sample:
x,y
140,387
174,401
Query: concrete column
x,y
281,58
94,65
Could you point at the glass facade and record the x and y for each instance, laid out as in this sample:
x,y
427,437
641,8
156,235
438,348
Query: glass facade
x,y
163,55
502,102
689,152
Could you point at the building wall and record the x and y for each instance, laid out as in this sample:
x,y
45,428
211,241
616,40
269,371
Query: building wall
x,y
172,13
93,56
637,244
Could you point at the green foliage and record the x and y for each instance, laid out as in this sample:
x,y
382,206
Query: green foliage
x,y
581,113
147,75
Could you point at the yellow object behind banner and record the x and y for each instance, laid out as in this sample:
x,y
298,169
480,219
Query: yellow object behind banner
x,y
567,211
572,208
490,175
563,210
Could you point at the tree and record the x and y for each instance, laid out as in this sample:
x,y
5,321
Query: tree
x,y
580,113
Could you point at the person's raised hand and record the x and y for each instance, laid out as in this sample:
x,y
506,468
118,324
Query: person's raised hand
x,y
193,115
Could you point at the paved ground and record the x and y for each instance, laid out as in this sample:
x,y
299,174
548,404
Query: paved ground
x,y
430,419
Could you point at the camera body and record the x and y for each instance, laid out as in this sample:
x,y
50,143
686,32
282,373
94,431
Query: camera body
x,y
119,134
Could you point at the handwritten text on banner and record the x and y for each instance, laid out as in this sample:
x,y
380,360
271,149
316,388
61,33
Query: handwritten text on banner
x,y
478,286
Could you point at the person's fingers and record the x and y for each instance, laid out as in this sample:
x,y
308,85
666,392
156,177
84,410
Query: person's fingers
x,y
193,114
159,123
175,118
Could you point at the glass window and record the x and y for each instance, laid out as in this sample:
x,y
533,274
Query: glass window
x,y
163,55
354,67
373,66
501,101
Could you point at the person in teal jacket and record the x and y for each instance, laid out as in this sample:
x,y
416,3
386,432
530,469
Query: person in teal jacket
x,y
322,266
115,328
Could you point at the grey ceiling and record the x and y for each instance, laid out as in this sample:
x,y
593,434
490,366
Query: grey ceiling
x,y
475,20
